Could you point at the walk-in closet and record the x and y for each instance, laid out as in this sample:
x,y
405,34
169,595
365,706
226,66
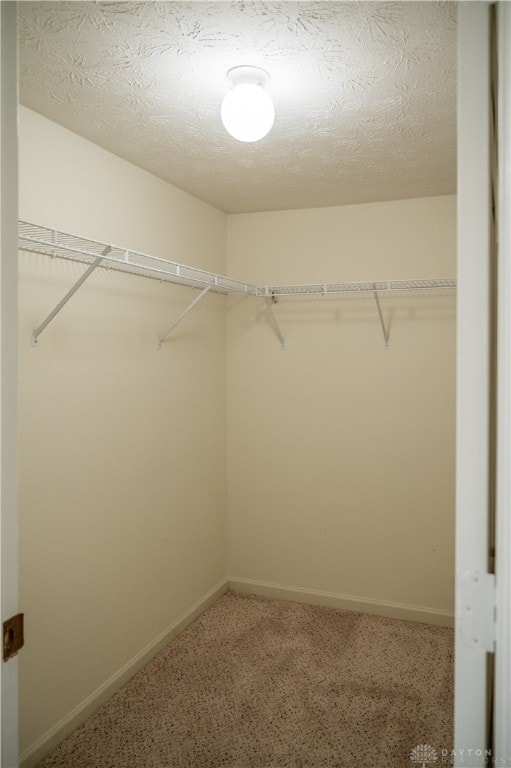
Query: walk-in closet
x,y
237,385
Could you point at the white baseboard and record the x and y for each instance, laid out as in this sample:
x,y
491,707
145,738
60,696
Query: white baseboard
x,y
77,716
50,740
344,602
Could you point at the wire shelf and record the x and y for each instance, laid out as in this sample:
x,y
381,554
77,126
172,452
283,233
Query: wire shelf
x,y
56,243
361,288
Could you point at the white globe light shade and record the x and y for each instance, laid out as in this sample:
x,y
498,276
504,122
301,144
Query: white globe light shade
x,y
247,112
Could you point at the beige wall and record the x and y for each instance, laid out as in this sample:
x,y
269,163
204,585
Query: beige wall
x,y
122,445
341,452
340,463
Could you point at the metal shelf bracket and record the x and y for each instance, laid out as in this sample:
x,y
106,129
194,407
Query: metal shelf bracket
x,y
88,272
273,321
385,331
183,315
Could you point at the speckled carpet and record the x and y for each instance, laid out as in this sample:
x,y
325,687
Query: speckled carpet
x,y
257,683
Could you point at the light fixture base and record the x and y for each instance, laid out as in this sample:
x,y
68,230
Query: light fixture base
x,y
248,74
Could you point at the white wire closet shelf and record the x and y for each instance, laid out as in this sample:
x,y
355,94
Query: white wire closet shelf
x,y
274,293
56,243
367,287
52,242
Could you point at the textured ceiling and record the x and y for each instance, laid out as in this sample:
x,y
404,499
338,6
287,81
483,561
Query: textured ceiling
x,y
364,93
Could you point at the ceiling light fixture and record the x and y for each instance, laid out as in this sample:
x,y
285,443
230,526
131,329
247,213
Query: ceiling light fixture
x,y
247,111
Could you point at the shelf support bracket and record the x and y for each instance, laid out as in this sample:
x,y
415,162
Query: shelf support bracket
x,y
183,315
384,329
273,321
88,272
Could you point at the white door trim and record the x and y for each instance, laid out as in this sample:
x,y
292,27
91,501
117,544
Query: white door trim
x,y
8,367
502,708
473,366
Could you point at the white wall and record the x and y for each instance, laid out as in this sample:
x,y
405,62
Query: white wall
x,y
341,452
122,445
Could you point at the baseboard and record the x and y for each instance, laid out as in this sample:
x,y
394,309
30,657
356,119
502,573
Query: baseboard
x,y
67,725
344,602
50,740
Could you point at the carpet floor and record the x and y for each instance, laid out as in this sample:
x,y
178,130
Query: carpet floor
x,y
257,683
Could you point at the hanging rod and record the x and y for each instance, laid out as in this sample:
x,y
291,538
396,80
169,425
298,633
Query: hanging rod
x,y
63,245
367,287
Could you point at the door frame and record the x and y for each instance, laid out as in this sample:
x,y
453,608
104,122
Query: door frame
x,y
483,462
502,708
472,732
8,368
